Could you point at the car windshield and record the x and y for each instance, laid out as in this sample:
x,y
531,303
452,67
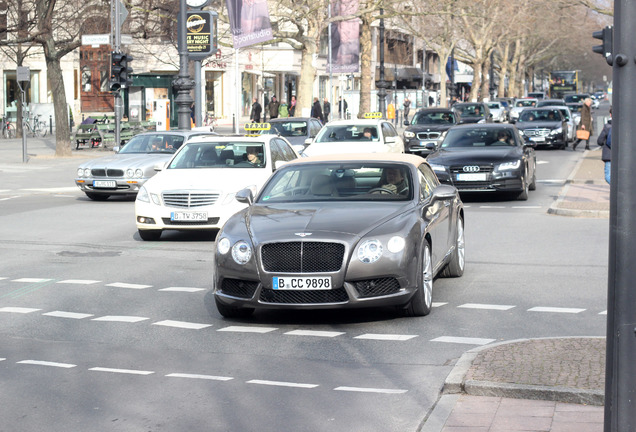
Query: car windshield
x,y
576,108
349,132
494,105
525,103
471,110
288,128
153,143
433,118
339,181
476,137
530,115
575,98
234,154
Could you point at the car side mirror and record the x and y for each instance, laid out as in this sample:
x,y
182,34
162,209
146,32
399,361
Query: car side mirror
x,y
160,166
245,196
444,192
116,149
308,141
406,122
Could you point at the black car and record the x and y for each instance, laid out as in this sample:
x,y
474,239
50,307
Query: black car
x,y
546,127
486,158
576,98
425,130
299,131
473,112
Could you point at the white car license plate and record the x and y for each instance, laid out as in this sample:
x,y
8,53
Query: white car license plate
x,y
537,139
471,177
189,216
423,143
104,184
301,283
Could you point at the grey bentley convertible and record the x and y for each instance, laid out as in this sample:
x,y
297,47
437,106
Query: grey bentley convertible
x,y
341,231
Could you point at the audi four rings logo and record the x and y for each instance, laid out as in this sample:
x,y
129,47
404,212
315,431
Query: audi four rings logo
x,y
471,168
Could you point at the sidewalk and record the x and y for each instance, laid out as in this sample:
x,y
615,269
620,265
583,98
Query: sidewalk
x,y
554,384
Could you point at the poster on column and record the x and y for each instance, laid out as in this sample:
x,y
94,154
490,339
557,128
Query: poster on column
x,y
345,38
249,21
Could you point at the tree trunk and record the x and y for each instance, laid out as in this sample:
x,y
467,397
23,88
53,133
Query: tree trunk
x,y
474,89
367,80
503,72
304,98
62,130
485,82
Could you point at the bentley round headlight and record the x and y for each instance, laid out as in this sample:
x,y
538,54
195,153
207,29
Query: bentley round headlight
x,y
396,244
223,246
241,252
370,251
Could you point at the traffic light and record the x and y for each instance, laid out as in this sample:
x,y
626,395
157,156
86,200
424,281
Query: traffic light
x,y
607,36
120,71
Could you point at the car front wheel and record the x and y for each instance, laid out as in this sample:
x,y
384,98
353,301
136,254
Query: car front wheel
x,y
422,301
455,267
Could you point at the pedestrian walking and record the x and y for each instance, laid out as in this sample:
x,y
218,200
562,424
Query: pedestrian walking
x,y
605,139
292,107
316,110
255,114
342,108
326,109
585,124
273,108
407,108
283,110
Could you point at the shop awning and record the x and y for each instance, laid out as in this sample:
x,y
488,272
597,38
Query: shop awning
x,y
403,73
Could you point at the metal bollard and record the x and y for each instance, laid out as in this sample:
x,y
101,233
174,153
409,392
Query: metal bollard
x,y
50,124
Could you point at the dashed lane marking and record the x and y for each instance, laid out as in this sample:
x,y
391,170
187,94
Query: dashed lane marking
x,y
439,304
282,384
556,310
370,390
182,324
485,306
121,371
21,310
120,318
30,280
197,376
314,333
247,329
385,337
78,281
47,363
463,340
182,289
128,285
73,315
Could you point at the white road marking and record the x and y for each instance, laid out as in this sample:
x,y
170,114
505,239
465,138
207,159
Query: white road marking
x,y
182,289
196,376
314,333
46,363
492,207
127,285
603,313
120,318
557,181
11,197
282,384
3,278
485,306
2,359
526,207
56,189
541,162
30,280
79,281
386,337
463,340
555,310
122,371
18,310
247,329
439,304
61,314
370,390
182,324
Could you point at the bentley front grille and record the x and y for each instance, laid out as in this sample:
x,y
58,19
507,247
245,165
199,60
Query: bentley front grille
x,y
302,257
239,288
377,287
338,295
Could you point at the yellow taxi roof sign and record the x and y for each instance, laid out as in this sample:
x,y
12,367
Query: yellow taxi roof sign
x,y
372,115
251,127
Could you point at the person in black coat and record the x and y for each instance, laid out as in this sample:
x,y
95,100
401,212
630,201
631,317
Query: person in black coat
x,y
605,139
316,110
326,111
255,114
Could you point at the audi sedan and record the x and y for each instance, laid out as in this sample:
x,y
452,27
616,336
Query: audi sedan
x,y
126,171
341,231
486,158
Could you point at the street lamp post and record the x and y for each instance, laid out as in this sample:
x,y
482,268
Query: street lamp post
x,y
183,84
381,84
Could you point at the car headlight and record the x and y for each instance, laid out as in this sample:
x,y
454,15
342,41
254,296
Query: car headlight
x,y
509,165
80,172
130,173
556,131
139,173
241,252
522,132
370,251
142,195
409,134
396,244
438,168
223,246
482,121
87,172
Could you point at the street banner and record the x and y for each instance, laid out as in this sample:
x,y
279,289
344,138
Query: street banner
x,y
249,22
345,38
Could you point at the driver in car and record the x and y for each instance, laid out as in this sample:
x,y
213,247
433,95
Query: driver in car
x,y
393,181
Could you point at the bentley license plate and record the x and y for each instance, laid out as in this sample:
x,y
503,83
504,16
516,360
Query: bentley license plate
x,y
471,177
188,216
301,283
111,184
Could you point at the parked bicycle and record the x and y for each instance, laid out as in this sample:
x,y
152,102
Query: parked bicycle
x,y
36,126
8,129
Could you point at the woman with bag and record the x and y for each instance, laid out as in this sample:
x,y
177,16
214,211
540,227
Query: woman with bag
x,y
584,131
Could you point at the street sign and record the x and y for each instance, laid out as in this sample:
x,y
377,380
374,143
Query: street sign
x,y
200,34
23,74
123,13
104,39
